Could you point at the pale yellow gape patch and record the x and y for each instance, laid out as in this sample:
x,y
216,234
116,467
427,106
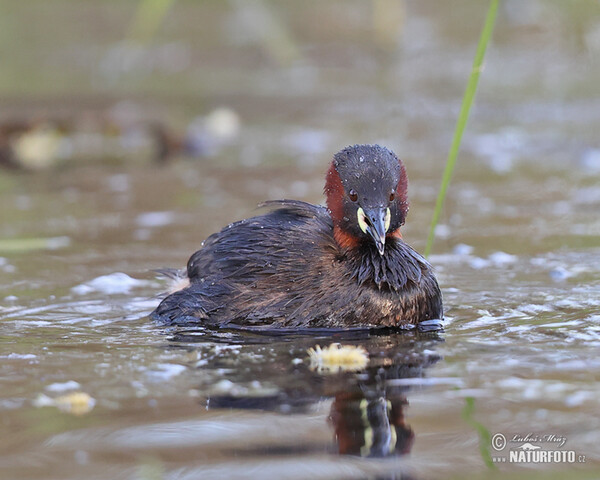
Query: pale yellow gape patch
x,y
362,219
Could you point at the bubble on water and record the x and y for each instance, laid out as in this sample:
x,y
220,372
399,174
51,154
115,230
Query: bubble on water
x,y
442,231
19,356
155,219
590,160
223,386
463,249
560,274
484,320
578,398
502,258
63,386
533,309
511,383
479,263
110,284
165,371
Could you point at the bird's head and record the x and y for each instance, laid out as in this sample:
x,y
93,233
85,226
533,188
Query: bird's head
x,y
366,190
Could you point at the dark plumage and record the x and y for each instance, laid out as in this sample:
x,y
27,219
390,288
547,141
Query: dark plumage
x,y
301,265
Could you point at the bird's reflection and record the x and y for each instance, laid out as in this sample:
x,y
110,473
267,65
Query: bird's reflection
x,y
370,427
367,413
368,409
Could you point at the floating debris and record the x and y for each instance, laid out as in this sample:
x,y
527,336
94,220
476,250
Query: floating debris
x,y
125,132
45,144
76,403
206,135
337,357
40,147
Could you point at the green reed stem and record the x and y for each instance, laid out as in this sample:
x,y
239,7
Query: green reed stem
x,y
19,245
485,438
463,117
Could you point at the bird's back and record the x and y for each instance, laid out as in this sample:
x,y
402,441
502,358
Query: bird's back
x,y
257,271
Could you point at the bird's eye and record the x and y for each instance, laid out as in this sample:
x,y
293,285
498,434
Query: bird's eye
x,y
392,196
353,195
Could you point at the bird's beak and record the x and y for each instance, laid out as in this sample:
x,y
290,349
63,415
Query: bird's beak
x,y
375,222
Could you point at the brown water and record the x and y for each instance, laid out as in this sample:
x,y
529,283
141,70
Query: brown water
x,y
517,256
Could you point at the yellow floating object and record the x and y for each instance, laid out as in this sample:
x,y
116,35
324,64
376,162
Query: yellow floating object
x,y
76,403
337,357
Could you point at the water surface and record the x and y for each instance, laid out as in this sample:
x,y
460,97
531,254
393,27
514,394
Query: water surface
x,y
517,257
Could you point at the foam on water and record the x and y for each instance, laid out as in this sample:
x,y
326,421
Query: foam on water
x,y
114,283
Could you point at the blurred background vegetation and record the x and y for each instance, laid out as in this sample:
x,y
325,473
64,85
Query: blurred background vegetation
x,y
270,84
340,71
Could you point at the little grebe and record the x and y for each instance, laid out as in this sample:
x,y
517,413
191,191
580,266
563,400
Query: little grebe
x,y
307,266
